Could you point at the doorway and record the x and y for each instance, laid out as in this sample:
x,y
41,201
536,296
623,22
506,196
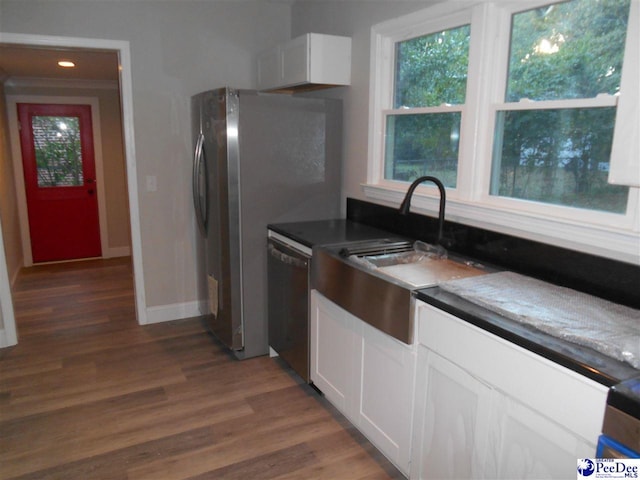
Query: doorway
x,y
60,181
8,334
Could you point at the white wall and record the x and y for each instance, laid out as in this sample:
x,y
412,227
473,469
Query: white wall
x,y
353,18
178,48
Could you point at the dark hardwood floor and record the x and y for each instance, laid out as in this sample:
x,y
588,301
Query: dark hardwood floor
x,y
89,394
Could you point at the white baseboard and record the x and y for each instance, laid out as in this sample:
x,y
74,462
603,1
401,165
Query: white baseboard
x,y
117,252
175,311
203,307
4,339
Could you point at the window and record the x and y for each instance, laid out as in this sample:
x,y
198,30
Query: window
x,y
423,128
57,150
514,106
560,154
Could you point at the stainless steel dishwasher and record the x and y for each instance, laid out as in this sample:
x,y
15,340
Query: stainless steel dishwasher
x,y
288,298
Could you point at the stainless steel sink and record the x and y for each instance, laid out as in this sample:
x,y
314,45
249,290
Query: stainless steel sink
x,y
374,280
388,260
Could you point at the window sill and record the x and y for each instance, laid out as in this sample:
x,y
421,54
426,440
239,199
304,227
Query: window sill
x,y
615,244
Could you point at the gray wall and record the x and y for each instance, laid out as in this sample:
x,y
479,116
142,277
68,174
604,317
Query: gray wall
x,y
178,48
353,18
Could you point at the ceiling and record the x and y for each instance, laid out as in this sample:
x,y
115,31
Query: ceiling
x,y
34,62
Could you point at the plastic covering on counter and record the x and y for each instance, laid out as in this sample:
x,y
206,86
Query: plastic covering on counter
x,y
576,317
421,251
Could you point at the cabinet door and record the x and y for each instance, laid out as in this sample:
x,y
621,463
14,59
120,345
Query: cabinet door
x,y
452,419
385,397
526,444
498,410
334,355
566,397
311,58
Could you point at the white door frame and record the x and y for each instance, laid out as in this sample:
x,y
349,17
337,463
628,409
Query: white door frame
x,y
16,153
122,48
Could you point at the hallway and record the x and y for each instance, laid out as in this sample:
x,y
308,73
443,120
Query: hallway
x,y
89,394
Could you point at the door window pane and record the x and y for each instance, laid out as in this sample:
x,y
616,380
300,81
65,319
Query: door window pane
x,y
557,156
422,144
567,50
57,150
432,69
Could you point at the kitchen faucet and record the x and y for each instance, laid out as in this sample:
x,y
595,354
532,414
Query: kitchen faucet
x,y
406,203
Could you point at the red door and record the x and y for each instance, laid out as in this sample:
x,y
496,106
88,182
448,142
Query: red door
x,y
59,175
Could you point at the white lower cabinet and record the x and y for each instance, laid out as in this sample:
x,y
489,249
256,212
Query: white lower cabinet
x,y
334,351
367,375
385,399
525,443
451,420
462,403
486,408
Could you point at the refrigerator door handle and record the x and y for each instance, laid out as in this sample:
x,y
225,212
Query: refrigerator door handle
x,y
198,163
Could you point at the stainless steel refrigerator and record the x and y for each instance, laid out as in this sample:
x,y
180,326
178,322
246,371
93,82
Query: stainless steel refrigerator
x,y
258,159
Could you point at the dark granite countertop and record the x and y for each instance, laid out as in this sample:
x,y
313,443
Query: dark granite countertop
x,y
326,232
583,360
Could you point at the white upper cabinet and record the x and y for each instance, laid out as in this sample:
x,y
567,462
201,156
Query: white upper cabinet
x,y
311,60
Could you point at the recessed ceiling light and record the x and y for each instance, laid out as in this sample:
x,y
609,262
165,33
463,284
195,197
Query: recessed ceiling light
x,y
66,64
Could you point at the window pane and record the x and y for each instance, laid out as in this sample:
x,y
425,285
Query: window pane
x,y
422,144
557,156
567,50
432,70
57,149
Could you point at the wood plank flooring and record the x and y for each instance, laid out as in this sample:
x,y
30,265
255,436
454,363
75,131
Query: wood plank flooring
x,y
89,394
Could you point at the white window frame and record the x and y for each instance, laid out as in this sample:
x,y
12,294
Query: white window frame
x,y
610,235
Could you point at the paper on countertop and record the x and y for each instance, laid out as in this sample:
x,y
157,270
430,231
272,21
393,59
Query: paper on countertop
x,y
430,271
577,317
